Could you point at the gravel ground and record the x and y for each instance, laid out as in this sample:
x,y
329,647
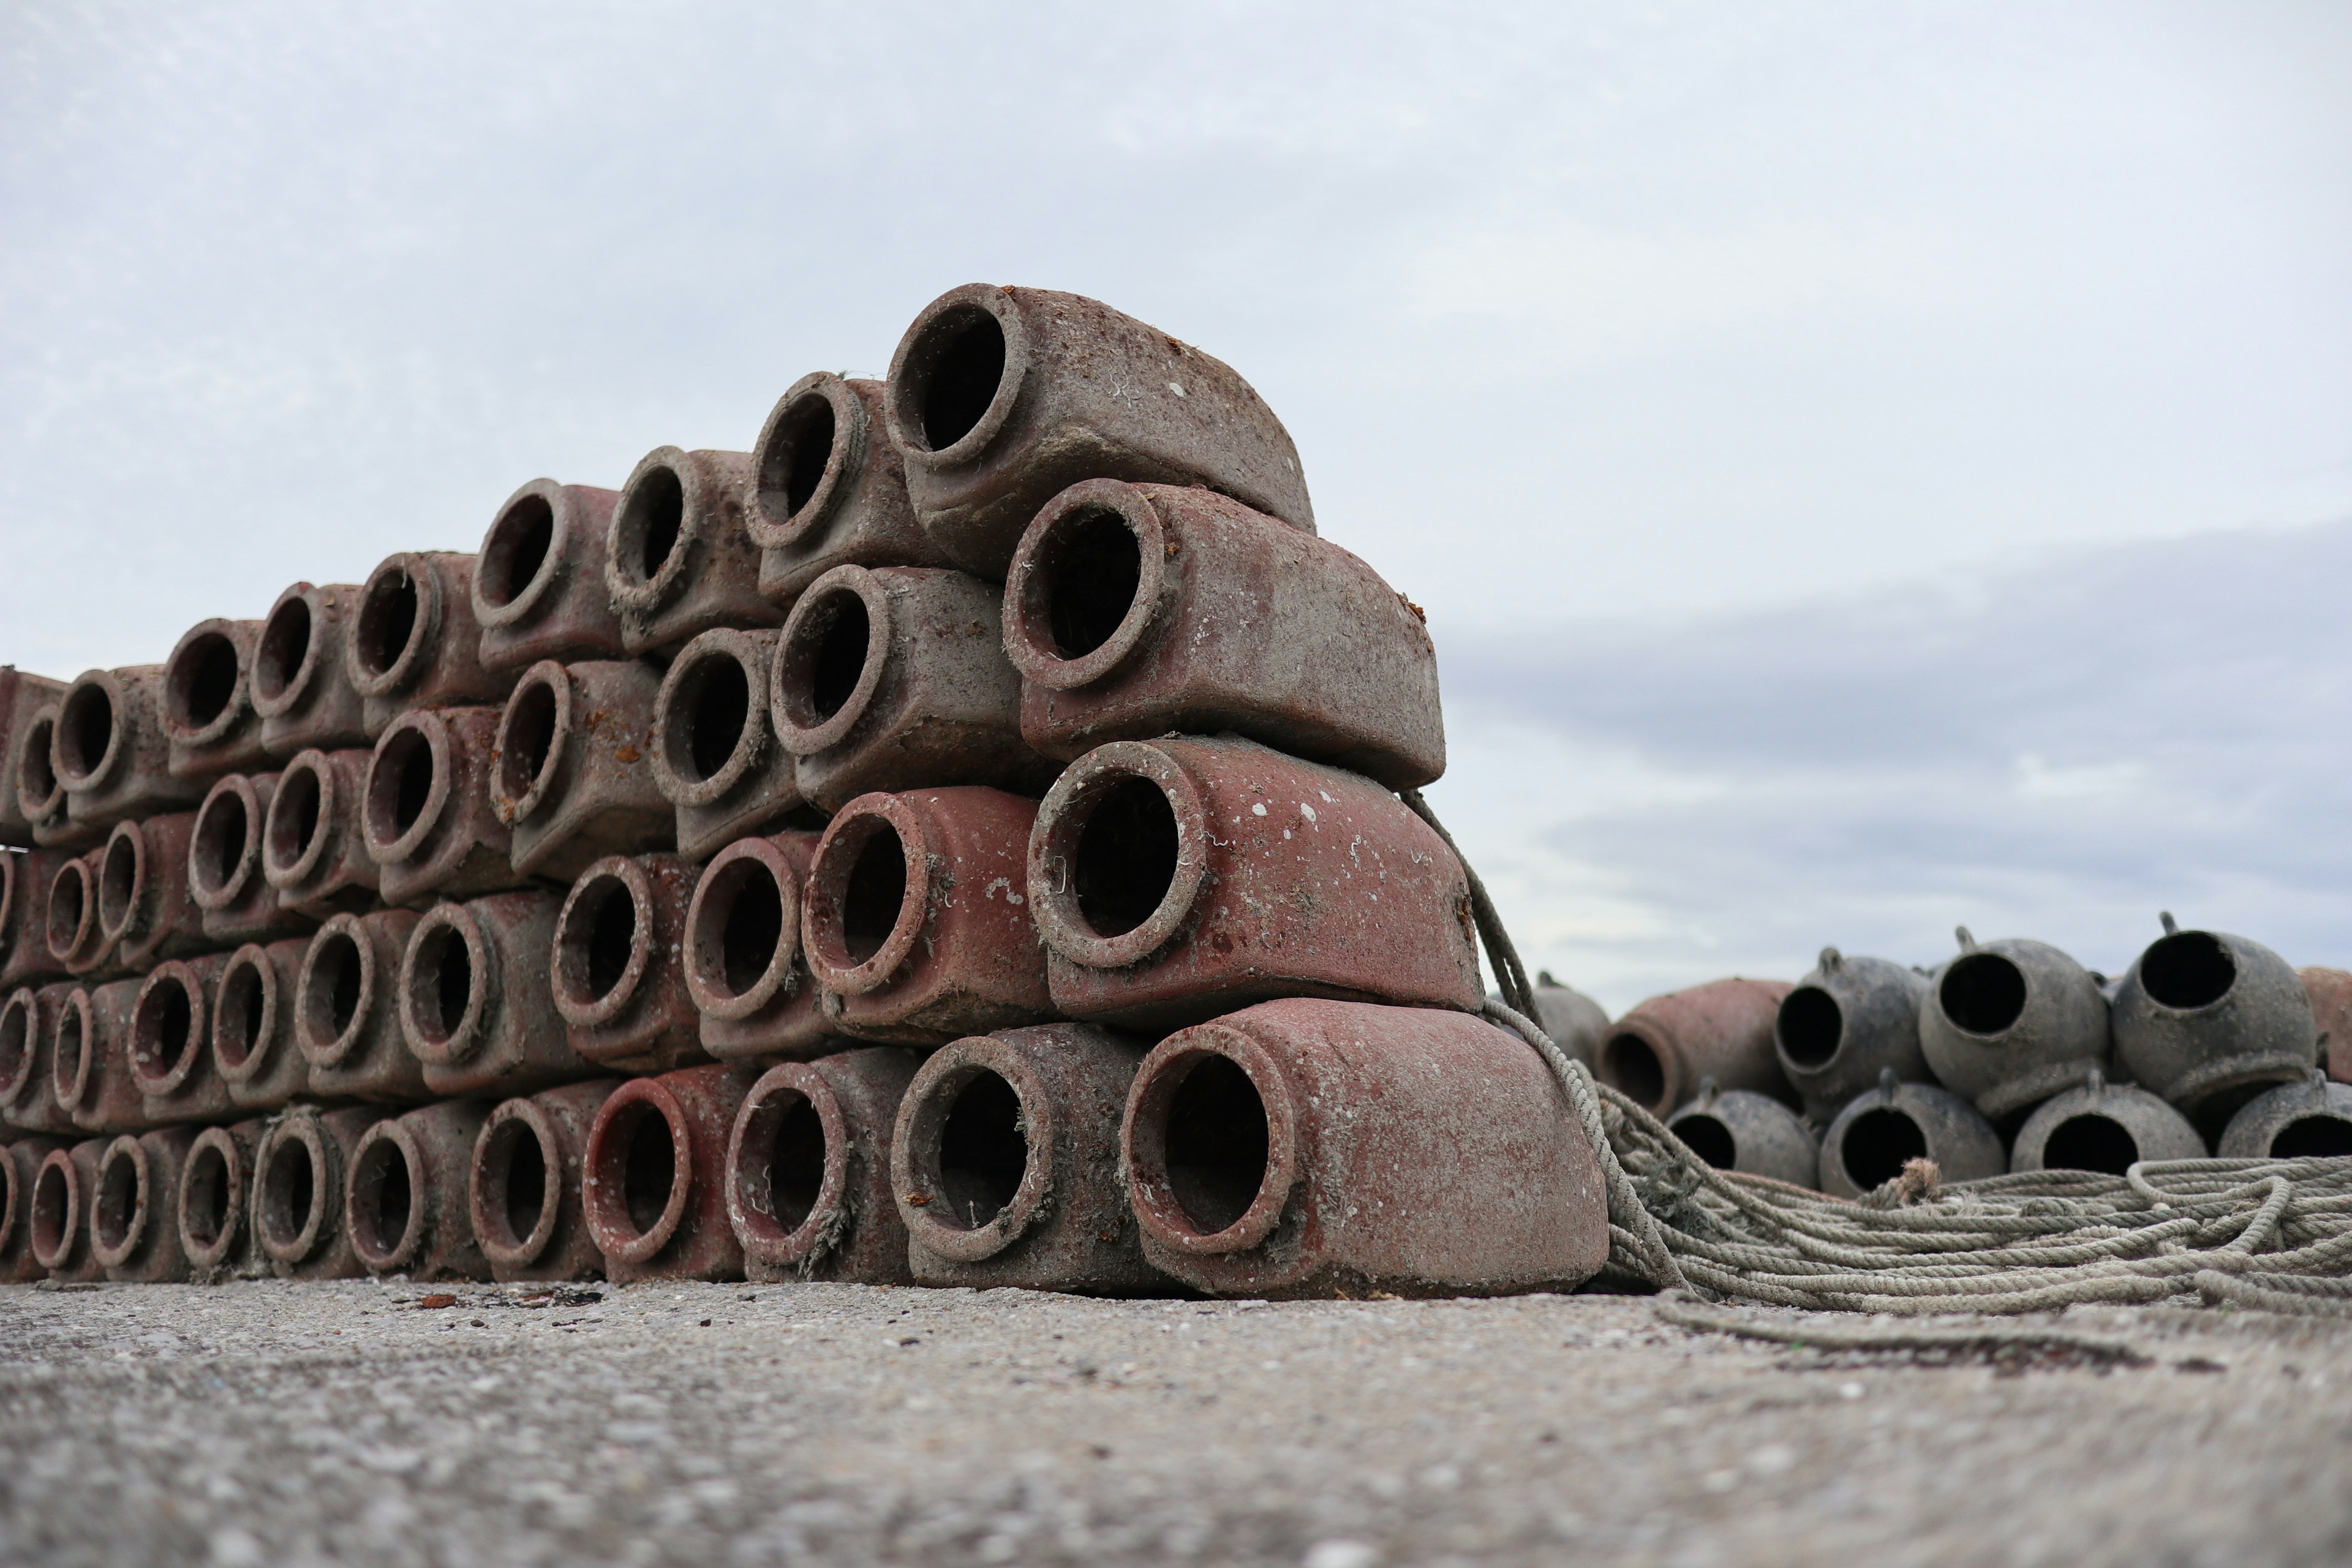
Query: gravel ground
x,y
265,1423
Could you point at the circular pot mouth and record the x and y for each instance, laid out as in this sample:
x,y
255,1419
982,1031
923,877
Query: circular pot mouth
x,y
336,993
448,973
1810,1030
973,1154
533,733
1210,1142
708,734
742,930
385,1200
54,1208
72,915
20,1018
168,1027
515,1184
40,793
1118,855
830,660
210,1183
294,1183
125,874
2188,972
807,458
640,1169
224,851
788,1167
1708,1136
957,375
204,685
296,828
287,656
1637,1063
408,786
87,740
604,941
2090,1140
656,530
868,895
1087,581
522,556
1880,1140
245,1014
73,1041
117,1207
396,626
1982,994
12,864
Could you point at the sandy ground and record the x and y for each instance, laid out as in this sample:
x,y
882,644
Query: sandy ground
x,y
265,1423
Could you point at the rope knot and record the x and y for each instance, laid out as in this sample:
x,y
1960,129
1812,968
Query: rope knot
x,y
1922,1182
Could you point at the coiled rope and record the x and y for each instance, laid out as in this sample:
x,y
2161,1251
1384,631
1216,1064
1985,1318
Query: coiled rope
x,y
2270,1233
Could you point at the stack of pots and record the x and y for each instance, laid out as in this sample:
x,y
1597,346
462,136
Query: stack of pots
x,y
955,841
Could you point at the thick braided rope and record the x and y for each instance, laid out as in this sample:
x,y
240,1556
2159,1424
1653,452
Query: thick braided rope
x,y
2270,1233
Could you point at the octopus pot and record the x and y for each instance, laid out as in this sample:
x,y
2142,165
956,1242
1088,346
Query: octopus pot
x,y
72,931
828,488
1001,398
539,583
1005,1163
216,1232
25,878
1305,1147
405,1198
224,870
809,1187
742,954
427,818
1576,1023
1735,1130
473,1005
2102,1126
913,920
28,1090
90,1060
2008,1023
716,757
894,678
413,641
59,1213
2293,1121
617,967
1844,1024
1883,1129
207,713
22,696
171,1027
677,560
574,777
1658,1053
300,1170
314,851
110,749
2330,991
1179,878
255,1051
146,908
655,1176
524,1187
346,1012
134,1219
301,681
2209,1021
20,1168
40,794
1136,610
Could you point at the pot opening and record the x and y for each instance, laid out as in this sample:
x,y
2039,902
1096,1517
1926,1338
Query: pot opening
x,y
1878,1143
1629,1066
1710,1139
387,620
1812,1026
66,1065
202,681
795,463
383,1198
1092,579
15,1037
1216,1142
205,1197
293,820
222,832
159,1029
1126,857
2309,1137
52,1212
403,783
284,644
596,941
442,984
875,893
966,366
236,1015
85,730
648,1164
750,924
514,1170
117,1202
2189,970
827,657
68,905
657,514
2091,1142
794,1160
527,749
289,1188
718,704
333,1002
118,881
983,1152
35,779
516,551
1982,992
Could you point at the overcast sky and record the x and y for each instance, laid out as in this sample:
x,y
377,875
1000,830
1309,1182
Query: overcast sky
x,y
1869,465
